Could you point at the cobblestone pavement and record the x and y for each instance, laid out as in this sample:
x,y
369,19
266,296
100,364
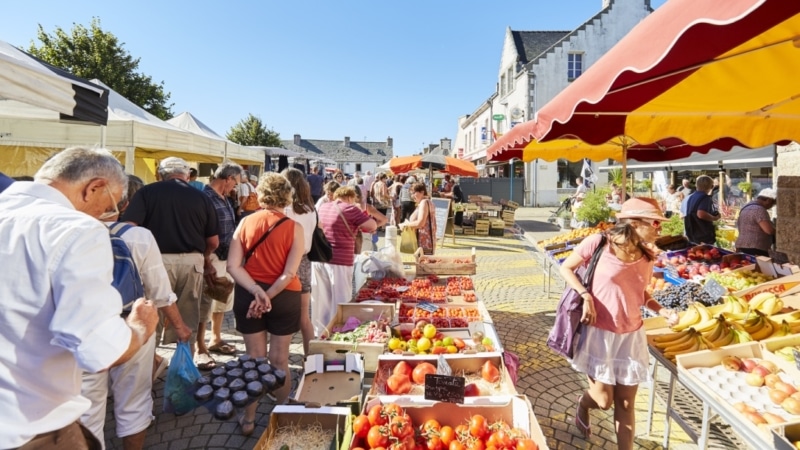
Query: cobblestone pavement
x,y
510,280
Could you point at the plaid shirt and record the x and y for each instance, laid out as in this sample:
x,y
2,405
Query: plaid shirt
x,y
226,218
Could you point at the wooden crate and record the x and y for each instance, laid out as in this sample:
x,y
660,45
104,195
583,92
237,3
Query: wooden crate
x,y
468,230
482,227
445,265
508,218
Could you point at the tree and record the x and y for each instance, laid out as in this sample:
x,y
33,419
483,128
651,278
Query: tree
x,y
94,53
251,131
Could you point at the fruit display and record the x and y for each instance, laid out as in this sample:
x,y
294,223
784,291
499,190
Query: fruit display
x,y
441,316
678,297
657,284
739,280
787,352
408,377
238,383
385,290
577,233
700,261
431,289
390,426
424,338
373,331
756,388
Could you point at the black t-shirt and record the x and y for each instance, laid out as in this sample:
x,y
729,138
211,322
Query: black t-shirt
x,y
697,229
179,216
458,196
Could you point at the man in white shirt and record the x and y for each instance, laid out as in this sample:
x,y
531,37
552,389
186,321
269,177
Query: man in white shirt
x,y
132,382
246,189
61,315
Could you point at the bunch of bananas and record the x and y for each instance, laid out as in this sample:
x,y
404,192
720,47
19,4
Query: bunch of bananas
x,y
787,352
687,341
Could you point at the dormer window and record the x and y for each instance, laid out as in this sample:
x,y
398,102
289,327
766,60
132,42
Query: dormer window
x,y
574,66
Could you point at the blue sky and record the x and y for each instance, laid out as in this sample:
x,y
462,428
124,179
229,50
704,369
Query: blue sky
x,y
324,69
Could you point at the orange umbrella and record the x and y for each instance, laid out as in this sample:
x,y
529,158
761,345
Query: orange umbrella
x,y
433,161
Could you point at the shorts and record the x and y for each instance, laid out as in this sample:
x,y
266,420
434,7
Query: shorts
x,y
282,320
304,274
209,305
612,358
185,272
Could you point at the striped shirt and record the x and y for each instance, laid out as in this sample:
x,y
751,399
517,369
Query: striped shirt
x,y
227,221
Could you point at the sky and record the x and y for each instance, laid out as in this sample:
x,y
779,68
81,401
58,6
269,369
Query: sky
x,y
323,69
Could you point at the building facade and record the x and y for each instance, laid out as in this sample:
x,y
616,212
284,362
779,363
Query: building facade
x,y
350,156
534,67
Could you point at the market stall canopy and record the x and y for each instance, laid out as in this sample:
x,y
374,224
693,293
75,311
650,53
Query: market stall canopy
x,y
28,80
693,70
238,153
736,158
277,151
433,161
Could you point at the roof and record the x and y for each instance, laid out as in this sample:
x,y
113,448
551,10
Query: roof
x,y
357,151
531,44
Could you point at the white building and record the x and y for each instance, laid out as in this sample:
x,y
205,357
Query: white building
x,y
534,67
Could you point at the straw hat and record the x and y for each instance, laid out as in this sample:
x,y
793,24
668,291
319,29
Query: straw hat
x,y
641,208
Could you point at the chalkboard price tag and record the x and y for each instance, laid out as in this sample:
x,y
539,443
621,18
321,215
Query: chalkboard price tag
x,y
714,289
444,388
796,358
430,307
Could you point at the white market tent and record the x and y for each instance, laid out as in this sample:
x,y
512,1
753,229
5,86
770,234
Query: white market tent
x,y
240,154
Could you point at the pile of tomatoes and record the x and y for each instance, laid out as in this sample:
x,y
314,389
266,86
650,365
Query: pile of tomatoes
x,y
389,427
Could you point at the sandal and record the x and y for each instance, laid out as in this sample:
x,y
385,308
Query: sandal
x,y
204,361
585,429
222,348
244,424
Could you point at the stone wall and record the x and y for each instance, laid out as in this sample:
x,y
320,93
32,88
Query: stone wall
x,y
788,210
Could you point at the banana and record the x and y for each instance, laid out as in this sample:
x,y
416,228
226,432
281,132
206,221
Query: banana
x,y
756,326
670,337
766,330
771,305
688,318
685,337
778,307
707,326
786,353
789,317
704,344
726,338
695,345
740,336
756,301
684,346
715,333
742,316
738,305
795,327
705,314
719,309
782,330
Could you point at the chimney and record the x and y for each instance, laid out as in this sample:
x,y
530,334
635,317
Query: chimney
x,y
389,142
297,140
347,141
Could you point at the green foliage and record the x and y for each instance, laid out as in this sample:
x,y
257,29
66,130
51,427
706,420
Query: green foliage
x,y
745,187
672,227
594,208
94,53
251,131
644,185
615,176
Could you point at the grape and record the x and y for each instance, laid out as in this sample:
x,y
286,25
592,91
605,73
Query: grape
x,y
678,297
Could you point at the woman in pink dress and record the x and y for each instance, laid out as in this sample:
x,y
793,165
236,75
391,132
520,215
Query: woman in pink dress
x,y
422,219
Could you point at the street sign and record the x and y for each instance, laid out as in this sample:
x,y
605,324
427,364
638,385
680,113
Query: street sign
x,y
498,117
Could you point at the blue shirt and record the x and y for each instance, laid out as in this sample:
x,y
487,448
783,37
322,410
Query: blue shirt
x,y
225,217
5,182
315,182
197,185
698,230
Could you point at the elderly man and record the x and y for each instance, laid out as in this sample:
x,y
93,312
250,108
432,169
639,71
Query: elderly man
x,y
184,223
701,213
226,177
61,316
756,231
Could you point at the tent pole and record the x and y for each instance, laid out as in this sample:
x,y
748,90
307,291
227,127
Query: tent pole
x,y
511,179
624,170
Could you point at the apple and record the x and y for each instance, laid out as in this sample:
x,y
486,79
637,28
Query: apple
x,y
769,365
771,379
714,268
748,364
785,387
761,371
754,379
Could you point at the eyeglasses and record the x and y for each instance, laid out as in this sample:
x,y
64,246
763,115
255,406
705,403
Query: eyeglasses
x,y
652,222
109,214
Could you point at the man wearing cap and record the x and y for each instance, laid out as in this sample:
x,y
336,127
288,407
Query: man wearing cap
x,y
701,213
185,225
248,200
756,231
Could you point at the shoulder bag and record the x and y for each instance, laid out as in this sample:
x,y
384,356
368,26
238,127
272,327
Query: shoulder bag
x,y
563,335
249,253
357,239
321,250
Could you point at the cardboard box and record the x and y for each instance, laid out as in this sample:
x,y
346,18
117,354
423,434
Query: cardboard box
x,y
789,284
332,382
514,410
446,265
767,266
784,436
464,334
330,418
769,346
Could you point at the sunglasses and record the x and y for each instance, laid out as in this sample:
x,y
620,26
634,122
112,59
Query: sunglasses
x,y
652,222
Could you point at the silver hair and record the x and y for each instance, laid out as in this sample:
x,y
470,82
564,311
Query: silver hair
x,y
172,166
227,170
81,164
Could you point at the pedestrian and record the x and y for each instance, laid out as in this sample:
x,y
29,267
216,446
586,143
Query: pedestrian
x,y
407,204
264,258
185,226
302,211
612,347
331,282
423,219
756,231
248,199
131,383
673,201
315,183
686,188
701,213
381,199
394,193
226,178
61,315
193,180
338,177
330,190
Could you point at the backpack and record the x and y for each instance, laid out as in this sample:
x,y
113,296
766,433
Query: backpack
x,y
126,275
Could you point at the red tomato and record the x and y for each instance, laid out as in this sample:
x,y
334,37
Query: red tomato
x,y
447,434
456,445
477,444
422,369
398,385
392,410
477,427
403,368
430,425
434,443
527,444
490,372
378,436
472,390
401,427
361,426
376,416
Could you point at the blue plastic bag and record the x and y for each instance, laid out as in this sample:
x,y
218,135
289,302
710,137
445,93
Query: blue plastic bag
x,y
179,387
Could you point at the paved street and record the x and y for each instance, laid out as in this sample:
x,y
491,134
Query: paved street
x,y
510,280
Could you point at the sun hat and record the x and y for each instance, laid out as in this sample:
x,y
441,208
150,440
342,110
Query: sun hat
x,y
768,193
253,177
174,162
640,208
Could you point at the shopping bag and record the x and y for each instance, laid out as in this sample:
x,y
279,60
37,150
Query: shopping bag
x,y
408,240
179,387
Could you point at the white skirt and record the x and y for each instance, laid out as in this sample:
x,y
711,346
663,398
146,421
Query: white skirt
x,y
612,358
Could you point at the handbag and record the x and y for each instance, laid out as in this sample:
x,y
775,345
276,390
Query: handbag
x,y
249,253
408,240
321,250
357,241
562,337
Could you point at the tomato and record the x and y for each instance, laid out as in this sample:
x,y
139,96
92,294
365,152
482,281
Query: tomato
x,y
456,445
447,434
477,427
472,390
376,416
527,444
430,425
422,369
361,426
503,439
401,427
378,436
462,431
398,384
477,444
490,372
391,410
434,443
403,368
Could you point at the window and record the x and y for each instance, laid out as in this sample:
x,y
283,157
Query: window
x,y
510,79
358,167
502,85
574,65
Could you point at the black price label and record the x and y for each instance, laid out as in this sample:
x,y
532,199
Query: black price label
x,y
444,388
796,358
714,289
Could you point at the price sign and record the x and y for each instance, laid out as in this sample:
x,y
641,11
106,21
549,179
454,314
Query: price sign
x,y
444,388
714,289
796,358
427,306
